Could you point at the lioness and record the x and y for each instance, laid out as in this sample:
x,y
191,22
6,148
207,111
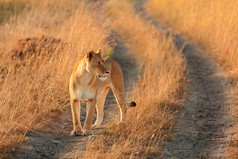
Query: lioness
x,y
90,81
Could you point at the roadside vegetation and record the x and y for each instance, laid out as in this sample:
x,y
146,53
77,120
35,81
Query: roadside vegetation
x,y
158,91
212,24
42,40
38,50
10,9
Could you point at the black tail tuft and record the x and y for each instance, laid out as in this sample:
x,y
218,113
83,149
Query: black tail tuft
x,y
131,104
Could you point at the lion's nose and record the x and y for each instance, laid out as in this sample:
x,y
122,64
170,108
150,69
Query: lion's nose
x,y
107,72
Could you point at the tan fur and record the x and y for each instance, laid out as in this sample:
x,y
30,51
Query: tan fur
x,y
91,81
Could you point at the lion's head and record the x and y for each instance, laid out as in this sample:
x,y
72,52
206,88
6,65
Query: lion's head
x,y
96,64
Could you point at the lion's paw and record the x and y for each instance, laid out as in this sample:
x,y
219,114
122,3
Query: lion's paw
x,y
76,133
88,133
95,127
122,124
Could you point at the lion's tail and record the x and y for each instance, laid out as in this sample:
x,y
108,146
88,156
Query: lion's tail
x,y
131,104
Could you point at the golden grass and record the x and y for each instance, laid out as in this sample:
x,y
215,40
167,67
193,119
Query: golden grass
x,y
34,77
156,93
213,24
35,86
11,8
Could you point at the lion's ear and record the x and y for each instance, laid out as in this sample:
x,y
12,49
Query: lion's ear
x,y
99,51
90,55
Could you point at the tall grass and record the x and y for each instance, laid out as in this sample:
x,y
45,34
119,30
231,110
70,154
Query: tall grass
x,y
157,92
214,24
12,8
34,83
211,23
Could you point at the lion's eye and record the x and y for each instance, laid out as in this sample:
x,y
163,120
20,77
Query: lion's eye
x,y
99,62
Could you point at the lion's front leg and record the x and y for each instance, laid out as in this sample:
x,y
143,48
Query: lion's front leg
x,y
100,107
75,109
89,119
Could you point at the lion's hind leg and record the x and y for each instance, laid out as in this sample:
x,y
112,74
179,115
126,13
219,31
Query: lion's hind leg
x,y
119,95
117,86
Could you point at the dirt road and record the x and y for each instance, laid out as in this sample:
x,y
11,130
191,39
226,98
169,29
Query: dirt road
x,y
202,130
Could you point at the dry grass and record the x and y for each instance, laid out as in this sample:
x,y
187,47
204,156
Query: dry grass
x,y
214,24
156,93
34,82
12,8
39,44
